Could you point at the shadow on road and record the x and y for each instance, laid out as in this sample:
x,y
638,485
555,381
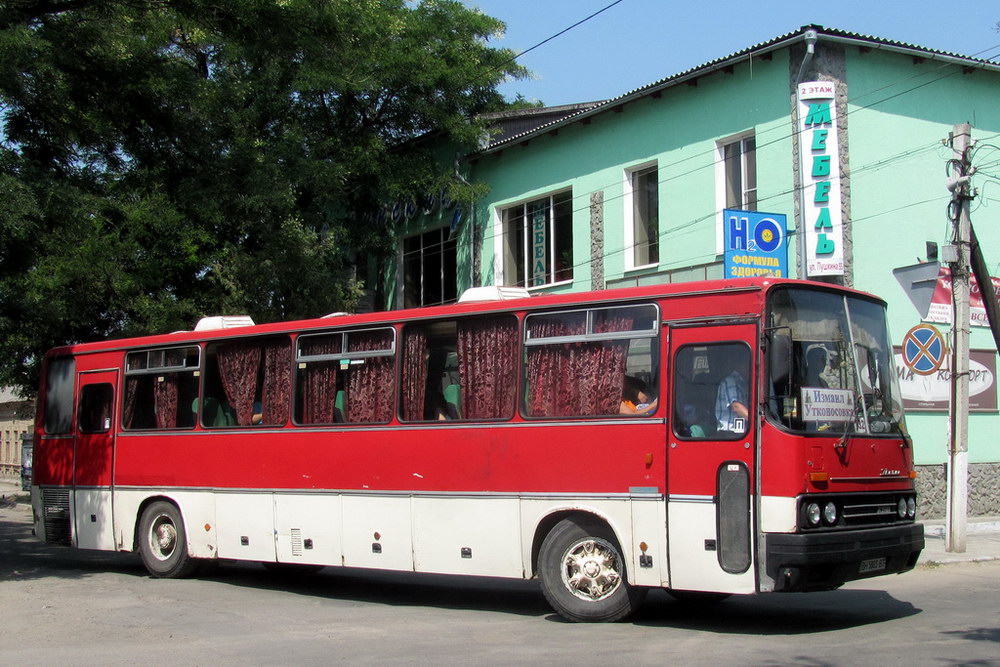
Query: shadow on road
x,y
777,613
22,557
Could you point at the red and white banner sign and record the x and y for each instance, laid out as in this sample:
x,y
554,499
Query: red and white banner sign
x,y
940,310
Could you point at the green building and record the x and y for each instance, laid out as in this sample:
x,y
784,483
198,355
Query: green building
x,y
631,191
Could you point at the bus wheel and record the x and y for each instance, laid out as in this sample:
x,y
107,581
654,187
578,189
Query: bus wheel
x,y
163,543
583,573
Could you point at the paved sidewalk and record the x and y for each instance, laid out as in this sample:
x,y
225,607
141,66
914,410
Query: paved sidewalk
x,y
982,541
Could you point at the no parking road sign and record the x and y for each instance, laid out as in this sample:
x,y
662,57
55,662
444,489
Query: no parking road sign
x,y
924,349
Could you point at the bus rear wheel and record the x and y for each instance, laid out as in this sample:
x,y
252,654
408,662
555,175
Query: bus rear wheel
x,y
583,573
163,542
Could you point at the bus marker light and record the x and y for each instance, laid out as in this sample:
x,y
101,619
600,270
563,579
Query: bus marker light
x,y
643,546
819,477
208,527
649,458
913,474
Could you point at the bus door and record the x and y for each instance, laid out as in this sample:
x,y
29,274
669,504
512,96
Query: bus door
x,y
710,457
94,456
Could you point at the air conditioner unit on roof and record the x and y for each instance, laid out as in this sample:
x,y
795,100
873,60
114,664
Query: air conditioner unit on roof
x,y
493,293
223,322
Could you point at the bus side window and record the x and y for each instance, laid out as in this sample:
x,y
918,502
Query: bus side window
x,y
95,408
595,362
59,395
160,387
345,377
460,369
247,383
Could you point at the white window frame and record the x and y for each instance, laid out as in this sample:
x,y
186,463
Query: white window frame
x,y
720,180
629,215
500,270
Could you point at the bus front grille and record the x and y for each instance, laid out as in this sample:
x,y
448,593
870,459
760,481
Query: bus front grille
x,y
55,508
866,512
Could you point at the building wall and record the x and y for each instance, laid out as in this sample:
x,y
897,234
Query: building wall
x,y
16,418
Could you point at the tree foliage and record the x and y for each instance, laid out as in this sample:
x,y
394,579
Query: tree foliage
x,y
167,159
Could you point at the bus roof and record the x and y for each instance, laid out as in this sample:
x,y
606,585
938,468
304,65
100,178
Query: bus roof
x,y
617,295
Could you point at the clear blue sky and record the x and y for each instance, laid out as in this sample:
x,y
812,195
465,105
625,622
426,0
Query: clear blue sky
x,y
640,41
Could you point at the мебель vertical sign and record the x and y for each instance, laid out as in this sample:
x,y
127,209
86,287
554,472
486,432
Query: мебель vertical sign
x,y
820,168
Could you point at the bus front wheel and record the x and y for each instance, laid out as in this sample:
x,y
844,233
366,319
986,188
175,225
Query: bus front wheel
x,y
583,573
163,542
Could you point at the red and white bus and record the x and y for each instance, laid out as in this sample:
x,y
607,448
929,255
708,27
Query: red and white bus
x,y
726,437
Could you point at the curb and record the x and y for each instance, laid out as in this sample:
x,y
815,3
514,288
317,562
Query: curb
x,y
972,528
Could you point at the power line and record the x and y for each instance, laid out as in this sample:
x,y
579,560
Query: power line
x,y
565,30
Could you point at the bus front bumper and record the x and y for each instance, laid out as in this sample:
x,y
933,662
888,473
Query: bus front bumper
x,y
824,561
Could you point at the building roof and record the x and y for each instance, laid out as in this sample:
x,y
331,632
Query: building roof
x,y
506,139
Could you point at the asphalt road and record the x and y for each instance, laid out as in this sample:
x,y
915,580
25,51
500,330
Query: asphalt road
x,y
61,606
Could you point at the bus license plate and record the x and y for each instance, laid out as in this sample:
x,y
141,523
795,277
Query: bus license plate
x,y
872,565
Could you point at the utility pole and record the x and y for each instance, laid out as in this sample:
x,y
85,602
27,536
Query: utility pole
x,y
958,445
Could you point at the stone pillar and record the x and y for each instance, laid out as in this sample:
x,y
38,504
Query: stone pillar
x,y
597,240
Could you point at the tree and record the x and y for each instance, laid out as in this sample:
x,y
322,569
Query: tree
x,y
172,158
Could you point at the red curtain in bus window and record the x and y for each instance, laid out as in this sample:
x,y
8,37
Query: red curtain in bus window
x,y
487,358
606,372
576,379
276,392
238,365
414,373
318,380
165,400
369,385
550,367
128,405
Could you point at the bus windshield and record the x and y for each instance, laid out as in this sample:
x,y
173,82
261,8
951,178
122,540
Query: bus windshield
x,y
830,364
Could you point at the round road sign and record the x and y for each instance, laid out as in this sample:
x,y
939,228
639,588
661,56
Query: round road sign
x,y
924,349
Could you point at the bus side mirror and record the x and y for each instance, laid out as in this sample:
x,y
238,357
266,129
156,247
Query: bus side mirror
x,y
779,363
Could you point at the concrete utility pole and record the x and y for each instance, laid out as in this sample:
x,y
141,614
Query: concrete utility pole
x,y
958,445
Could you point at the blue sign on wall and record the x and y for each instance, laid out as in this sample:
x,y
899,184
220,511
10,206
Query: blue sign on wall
x,y
756,244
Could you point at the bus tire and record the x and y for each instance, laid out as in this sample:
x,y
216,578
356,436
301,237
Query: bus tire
x,y
583,573
163,542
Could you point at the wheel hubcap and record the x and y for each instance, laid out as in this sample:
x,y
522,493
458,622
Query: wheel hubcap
x,y
591,569
163,537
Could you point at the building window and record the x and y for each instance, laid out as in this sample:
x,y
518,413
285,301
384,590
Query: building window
x,y
429,269
739,157
538,241
642,217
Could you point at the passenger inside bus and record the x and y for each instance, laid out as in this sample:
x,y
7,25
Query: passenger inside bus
x,y
688,422
637,399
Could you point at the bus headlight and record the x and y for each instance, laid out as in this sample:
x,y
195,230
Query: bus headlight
x,y
901,508
911,507
813,514
830,513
